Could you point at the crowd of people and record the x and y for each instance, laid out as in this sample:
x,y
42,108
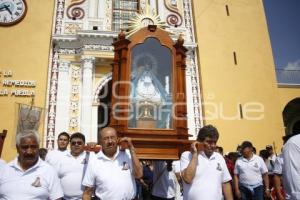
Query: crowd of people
x,y
116,173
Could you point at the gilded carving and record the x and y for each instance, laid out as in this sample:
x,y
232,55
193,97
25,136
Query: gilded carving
x,y
72,28
74,98
59,16
52,101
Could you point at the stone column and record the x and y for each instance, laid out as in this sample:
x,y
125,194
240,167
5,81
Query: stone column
x,y
190,103
93,8
88,66
94,133
101,9
63,98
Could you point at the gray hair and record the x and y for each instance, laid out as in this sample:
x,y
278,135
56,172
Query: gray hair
x,y
25,134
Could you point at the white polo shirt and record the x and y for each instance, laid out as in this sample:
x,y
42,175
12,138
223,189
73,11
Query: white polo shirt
x,y
273,157
112,178
39,182
163,180
70,172
211,173
176,169
2,162
250,171
278,165
291,167
55,156
278,169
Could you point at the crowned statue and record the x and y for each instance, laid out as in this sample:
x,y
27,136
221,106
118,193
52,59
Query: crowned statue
x,y
149,95
147,88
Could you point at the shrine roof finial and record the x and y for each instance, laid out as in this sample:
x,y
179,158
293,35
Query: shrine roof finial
x,y
121,35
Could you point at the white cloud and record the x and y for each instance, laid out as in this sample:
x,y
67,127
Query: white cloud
x,y
293,65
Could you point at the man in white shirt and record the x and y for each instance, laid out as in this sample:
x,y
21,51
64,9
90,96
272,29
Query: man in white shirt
x,y
291,167
204,172
164,181
249,172
177,171
53,157
112,173
72,168
272,155
28,177
277,177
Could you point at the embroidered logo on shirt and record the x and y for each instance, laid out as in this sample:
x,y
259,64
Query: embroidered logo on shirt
x,y
37,182
256,165
219,167
125,166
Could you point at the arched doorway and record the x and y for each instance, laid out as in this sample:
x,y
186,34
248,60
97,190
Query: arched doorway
x,y
291,117
102,104
104,107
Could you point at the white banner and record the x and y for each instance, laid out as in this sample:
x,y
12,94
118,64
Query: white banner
x,y
28,117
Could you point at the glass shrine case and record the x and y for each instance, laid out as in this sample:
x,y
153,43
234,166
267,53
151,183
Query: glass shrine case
x,y
149,95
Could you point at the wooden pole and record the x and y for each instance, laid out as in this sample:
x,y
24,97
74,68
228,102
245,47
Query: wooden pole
x,y
2,138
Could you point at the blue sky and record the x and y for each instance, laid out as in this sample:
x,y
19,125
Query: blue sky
x,y
283,18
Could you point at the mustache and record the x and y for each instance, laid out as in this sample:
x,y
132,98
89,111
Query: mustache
x,y
110,145
30,156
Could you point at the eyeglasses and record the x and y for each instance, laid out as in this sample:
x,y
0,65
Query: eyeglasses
x,y
76,142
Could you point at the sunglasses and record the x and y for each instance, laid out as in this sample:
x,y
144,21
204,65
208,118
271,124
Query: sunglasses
x,y
76,142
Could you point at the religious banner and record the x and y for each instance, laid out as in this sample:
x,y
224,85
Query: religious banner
x,y
28,117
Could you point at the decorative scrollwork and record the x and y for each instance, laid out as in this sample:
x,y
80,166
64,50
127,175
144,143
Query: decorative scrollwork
x,y
52,101
174,19
75,12
59,16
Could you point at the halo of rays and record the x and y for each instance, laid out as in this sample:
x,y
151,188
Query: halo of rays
x,y
136,24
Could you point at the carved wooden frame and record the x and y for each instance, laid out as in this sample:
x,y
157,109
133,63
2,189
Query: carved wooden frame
x,y
151,143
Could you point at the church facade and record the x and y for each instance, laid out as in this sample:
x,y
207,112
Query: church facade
x,y
82,54
64,57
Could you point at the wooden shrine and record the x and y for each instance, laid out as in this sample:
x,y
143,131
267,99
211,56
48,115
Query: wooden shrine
x,y
149,93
